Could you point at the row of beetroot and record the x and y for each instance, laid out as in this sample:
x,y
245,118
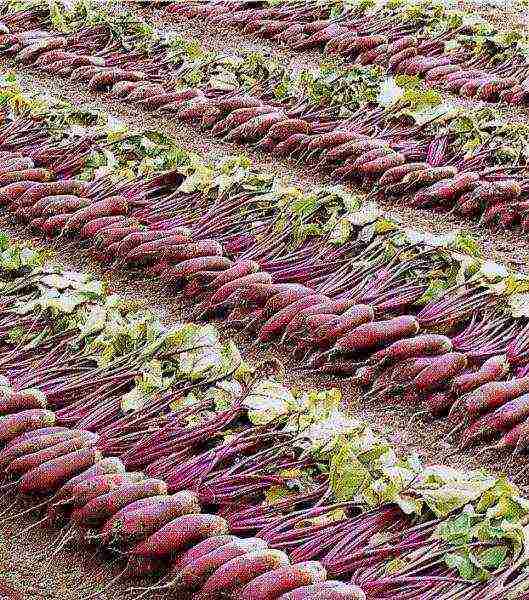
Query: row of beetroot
x,y
371,292
319,492
461,52
429,167
140,515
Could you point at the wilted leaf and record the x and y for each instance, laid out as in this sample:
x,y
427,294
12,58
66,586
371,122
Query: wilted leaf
x,y
268,400
390,92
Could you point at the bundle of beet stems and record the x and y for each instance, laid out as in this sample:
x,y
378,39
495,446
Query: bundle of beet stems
x,y
350,300
374,147
259,459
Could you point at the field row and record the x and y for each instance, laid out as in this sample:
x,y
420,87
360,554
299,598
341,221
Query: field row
x,y
446,46
472,163
323,273
95,389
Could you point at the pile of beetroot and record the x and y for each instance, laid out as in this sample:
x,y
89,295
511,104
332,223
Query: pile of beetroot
x,y
136,515
372,147
389,38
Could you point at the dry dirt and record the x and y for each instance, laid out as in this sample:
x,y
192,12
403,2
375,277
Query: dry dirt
x,y
30,571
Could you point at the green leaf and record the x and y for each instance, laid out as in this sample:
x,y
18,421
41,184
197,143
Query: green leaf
x,y
493,558
385,224
466,243
224,394
446,490
502,488
436,289
519,305
275,494
347,476
201,179
341,232
4,241
394,566
462,564
15,334
457,530
328,429
512,509
133,401
368,213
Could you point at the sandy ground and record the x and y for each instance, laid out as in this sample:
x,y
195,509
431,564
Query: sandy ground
x,y
30,571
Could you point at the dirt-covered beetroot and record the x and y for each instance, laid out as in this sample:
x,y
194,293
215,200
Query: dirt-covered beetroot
x,y
137,521
493,369
498,421
227,289
420,345
31,445
272,585
441,370
195,574
12,425
201,549
373,335
180,533
186,268
23,464
490,395
104,506
327,590
50,475
282,318
93,226
239,571
93,487
104,466
328,333
115,205
22,400
40,190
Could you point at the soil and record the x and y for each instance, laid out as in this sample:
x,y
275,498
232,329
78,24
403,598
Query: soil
x,y
30,571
